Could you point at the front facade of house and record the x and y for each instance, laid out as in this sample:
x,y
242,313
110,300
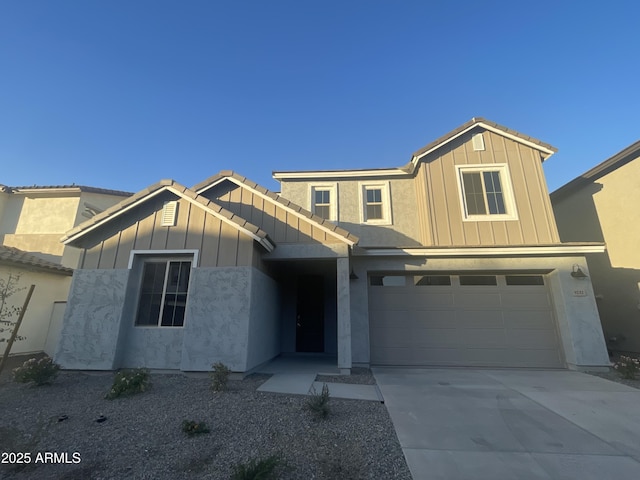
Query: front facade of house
x,y
602,206
452,259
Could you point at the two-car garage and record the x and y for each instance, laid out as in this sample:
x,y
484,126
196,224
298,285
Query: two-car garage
x,y
466,319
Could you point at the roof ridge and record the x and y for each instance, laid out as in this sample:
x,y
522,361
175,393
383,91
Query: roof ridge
x,y
276,197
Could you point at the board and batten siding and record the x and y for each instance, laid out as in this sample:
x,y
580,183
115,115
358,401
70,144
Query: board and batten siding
x,y
219,244
439,202
282,225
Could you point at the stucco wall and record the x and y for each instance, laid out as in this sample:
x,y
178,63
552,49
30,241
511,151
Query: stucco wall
x,y
577,316
99,333
403,231
92,320
264,322
606,210
217,318
50,288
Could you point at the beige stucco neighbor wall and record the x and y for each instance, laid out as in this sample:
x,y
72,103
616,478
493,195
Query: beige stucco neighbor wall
x,y
50,288
608,209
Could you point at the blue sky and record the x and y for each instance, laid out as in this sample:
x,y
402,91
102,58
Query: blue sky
x,y
122,93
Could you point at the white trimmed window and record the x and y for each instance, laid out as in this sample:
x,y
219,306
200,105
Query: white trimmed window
x,y
324,200
486,193
163,292
375,203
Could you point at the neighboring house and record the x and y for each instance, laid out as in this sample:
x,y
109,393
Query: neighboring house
x,y
603,205
32,220
452,259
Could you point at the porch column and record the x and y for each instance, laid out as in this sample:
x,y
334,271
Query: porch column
x,y
344,315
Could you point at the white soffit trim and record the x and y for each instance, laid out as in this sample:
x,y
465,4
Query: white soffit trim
x,y
262,241
515,138
282,205
481,251
323,174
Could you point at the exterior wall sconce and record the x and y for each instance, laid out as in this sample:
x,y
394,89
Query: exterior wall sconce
x,y
352,275
578,273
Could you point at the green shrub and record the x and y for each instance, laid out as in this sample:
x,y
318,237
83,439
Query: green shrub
x,y
257,469
219,376
318,403
37,371
192,428
129,382
627,367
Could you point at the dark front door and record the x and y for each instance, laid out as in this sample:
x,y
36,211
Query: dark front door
x,y
310,314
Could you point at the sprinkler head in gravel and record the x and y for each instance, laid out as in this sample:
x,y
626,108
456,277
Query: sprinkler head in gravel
x,y
101,419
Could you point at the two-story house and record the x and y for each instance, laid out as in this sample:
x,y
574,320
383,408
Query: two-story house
x,y
451,259
32,220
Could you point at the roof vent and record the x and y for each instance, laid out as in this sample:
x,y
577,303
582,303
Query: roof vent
x,y
169,212
478,142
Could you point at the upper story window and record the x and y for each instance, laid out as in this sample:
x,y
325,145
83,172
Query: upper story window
x,y
375,203
163,293
324,200
486,193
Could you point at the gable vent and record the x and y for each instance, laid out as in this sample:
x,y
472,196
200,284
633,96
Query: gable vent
x,y
169,213
478,142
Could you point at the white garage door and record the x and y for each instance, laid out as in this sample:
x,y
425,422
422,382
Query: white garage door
x,y
475,320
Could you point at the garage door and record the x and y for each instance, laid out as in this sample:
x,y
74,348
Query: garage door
x,y
476,320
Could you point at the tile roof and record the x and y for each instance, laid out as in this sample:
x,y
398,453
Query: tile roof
x,y
480,120
14,256
225,174
81,188
175,187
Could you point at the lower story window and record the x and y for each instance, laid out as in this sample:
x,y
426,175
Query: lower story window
x,y
163,293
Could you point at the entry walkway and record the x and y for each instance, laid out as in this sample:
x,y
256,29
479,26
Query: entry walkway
x,y
297,375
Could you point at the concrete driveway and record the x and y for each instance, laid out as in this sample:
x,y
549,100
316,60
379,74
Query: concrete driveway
x,y
513,424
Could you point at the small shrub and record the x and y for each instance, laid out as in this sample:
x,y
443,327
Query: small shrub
x,y
37,371
627,367
257,469
219,376
318,403
192,428
129,382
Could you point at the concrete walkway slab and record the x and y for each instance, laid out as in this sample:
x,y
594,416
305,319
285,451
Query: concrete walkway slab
x,y
294,383
504,424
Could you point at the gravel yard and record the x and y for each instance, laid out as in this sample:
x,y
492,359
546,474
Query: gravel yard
x,y
142,438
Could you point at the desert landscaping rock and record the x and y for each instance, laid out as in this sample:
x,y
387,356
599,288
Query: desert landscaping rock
x,y
143,438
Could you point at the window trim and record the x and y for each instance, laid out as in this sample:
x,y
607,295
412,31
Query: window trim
x,y
332,188
139,257
386,202
507,192
167,262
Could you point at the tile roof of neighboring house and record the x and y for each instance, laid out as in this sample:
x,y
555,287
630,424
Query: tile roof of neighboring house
x,y
174,187
14,256
609,165
409,168
80,188
298,210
